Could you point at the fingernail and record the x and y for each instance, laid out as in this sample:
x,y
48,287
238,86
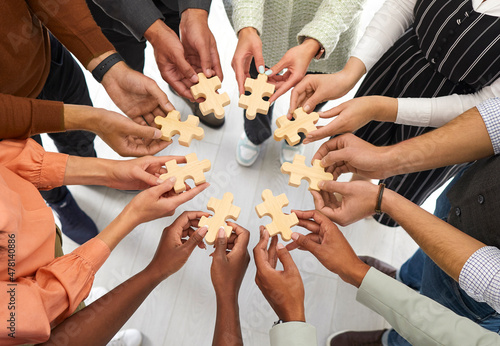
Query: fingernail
x,y
221,233
208,72
160,181
307,108
169,106
269,72
305,141
194,78
157,134
262,69
323,163
172,179
321,184
280,246
202,231
295,236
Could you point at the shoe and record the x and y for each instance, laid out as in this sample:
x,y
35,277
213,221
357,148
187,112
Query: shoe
x,y
385,268
208,120
247,152
95,293
366,338
288,152
75,224
126,337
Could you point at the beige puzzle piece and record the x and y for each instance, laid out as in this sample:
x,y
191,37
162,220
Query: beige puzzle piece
x,y
289,129
214,102
193,169
254,103
272,207
298,171
223,209
172,125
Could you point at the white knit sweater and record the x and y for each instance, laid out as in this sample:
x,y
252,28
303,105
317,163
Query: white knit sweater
x,y
282,24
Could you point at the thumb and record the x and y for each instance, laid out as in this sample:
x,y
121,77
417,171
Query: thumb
x,y
334,186
312,102
285,258
165,186
195,239
143,131
305,243
154,90
220,243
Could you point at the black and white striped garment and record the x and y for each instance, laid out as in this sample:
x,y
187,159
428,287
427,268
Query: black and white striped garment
x,y
450,49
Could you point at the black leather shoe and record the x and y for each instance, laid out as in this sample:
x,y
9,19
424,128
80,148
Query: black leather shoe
x,y
366,338
385,268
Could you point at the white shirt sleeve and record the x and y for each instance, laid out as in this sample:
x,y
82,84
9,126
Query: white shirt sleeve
x,y
437,111
386,27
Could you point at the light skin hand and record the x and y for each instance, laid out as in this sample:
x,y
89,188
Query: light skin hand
x,y
123,135
358,200
249,46
329,246
354,114
174,249
135,94
169,55
315,89
348,153
199,43
296,60
283,289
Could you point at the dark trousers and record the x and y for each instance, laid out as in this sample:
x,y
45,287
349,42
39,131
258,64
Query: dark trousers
x,y
66,83
131,50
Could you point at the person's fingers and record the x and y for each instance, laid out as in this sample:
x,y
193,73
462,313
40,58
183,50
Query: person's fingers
x,y
188,195
220,244
184,67
335,186
159,95
163,187
305,243
239,71
260,251
272,254
309,225
286,259
319,203
290,83
242,236
214,54
195,239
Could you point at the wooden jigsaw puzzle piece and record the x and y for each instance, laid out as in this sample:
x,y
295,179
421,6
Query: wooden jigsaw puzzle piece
x,y
187,130
289,129
254,103
272,207
214,102
298,171
193,169
223,210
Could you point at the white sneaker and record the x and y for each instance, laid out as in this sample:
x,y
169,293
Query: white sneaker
x,y
246,152
127,337
288,152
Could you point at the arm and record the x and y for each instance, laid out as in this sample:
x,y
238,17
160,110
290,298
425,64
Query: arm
x,y
97,323
407,311
441,147
227,272
284,291
51,294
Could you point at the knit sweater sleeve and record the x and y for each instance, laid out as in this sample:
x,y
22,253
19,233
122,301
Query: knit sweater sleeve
x,y
332,18
247,13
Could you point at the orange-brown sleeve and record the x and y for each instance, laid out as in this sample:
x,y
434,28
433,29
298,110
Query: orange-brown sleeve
x,y
42,301
73,25
26,158
23,117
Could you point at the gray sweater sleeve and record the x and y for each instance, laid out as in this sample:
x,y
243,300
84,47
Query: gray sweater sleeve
x,y
185,4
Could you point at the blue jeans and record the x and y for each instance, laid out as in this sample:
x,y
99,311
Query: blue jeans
x,y
421,273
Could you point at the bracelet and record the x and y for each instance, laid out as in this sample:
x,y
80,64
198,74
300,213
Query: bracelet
x,y
378,206
105,65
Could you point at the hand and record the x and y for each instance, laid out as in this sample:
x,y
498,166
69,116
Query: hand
x,y
329,246
358,200
123,135
230,261
284,289
296,60
159,201
315,89
135,94
138,174
169,56
354,114
348,153
249,46
199,43
174,250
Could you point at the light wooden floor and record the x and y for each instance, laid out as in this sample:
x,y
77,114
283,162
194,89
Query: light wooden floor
x,y
181,310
